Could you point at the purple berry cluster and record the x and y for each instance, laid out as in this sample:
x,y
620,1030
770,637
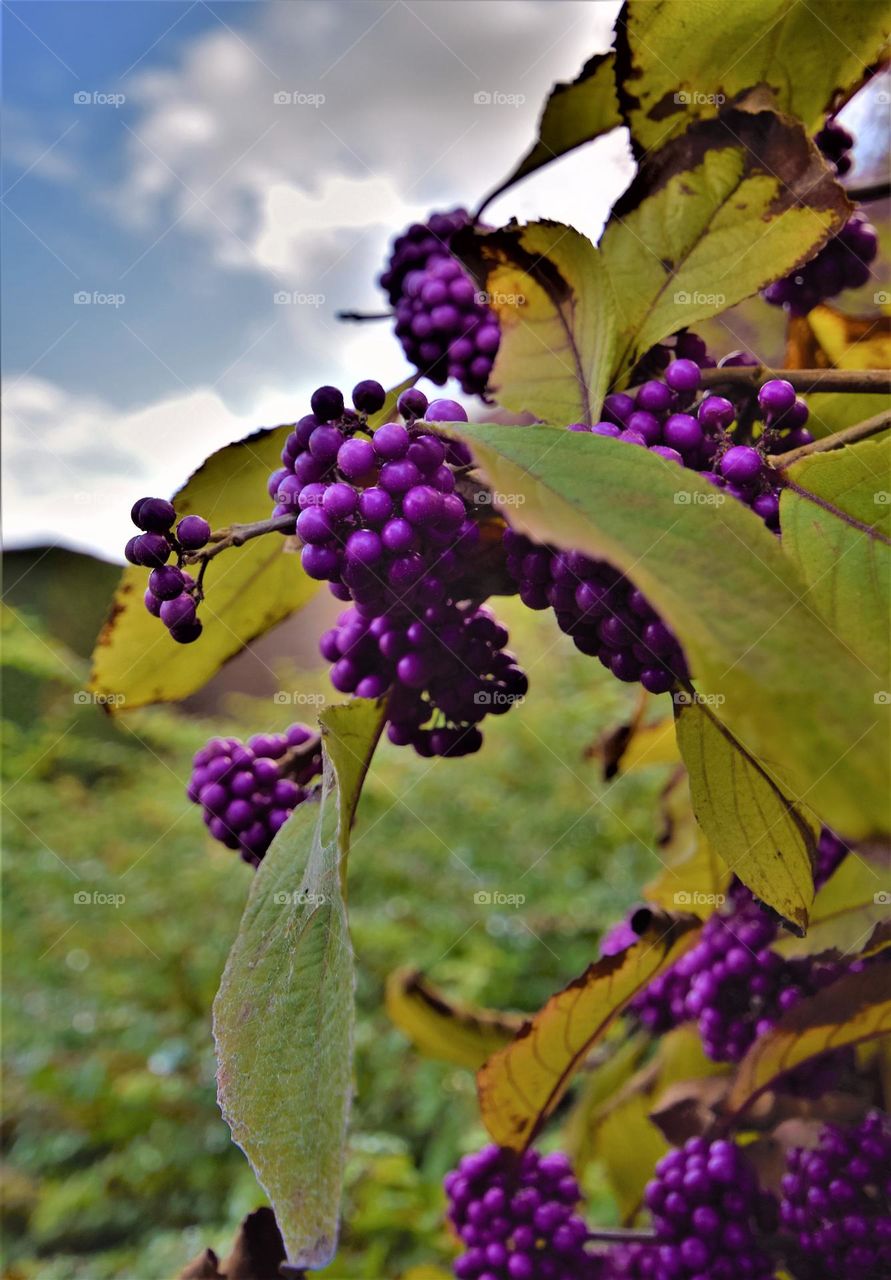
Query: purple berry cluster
x,y
733,984
606,616
381,518
836,1203
447,668
516,1216
446,331
248,790
709,1216
172,593
842,263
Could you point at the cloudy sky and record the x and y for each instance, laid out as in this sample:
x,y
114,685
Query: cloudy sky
x,y
152,167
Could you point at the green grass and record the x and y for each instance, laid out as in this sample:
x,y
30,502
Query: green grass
x,y
118,1163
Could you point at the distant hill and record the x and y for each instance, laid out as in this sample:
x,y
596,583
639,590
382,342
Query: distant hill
x,y
69,593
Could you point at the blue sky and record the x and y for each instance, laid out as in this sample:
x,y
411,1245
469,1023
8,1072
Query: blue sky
x,y
149,167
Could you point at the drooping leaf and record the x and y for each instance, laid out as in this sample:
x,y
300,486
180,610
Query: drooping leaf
x,y
248,589
547,285
853,1010
575,112
721,581
836,522
632,746
711,218
845,911
629,1145
283,1016
444,1029
754,826
677,62
520,1085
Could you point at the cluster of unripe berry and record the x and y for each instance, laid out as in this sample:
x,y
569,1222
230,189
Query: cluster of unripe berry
x,y
172,593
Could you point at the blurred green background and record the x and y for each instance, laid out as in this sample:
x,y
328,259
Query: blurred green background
x,y
116,1160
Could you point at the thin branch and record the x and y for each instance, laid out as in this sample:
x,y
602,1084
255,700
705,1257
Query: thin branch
x,y
877,381
362,316
849,435
621,1235
874,191
236,535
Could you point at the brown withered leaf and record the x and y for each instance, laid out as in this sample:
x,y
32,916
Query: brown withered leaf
x,y
690,1108
521,1085
257,1254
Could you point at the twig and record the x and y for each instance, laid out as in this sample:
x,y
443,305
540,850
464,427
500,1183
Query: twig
x,y
848,435
621,1235
236,535
853,380
874,191
361,316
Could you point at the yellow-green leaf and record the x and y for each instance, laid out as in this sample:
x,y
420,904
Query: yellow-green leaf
x,y
721,581
546,283
853,342
629,1145
682,59
575,112
520,1085
845,912
747,819
851,1011
712,217
248,589
444,1029
283,1017
836,521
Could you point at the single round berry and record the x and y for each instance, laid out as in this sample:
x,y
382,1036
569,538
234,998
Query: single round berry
x,y
166,583
776,397
155,515
192,533
368,396
412,403
741,465
326,403
445,411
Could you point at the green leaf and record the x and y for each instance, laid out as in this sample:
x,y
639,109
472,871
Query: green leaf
x,y
712,217
832,411
836,522
283,1017
547,285
575,113
248,589
780,681
679,61
748,821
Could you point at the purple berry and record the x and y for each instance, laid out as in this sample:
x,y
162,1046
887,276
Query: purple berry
x,y
192,533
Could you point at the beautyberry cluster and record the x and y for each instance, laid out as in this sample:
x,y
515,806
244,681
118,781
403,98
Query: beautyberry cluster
x,y
836,1203
516,1217
709,1215
842,263
606,616
382,519
172,593
446,330
248,790
732,983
